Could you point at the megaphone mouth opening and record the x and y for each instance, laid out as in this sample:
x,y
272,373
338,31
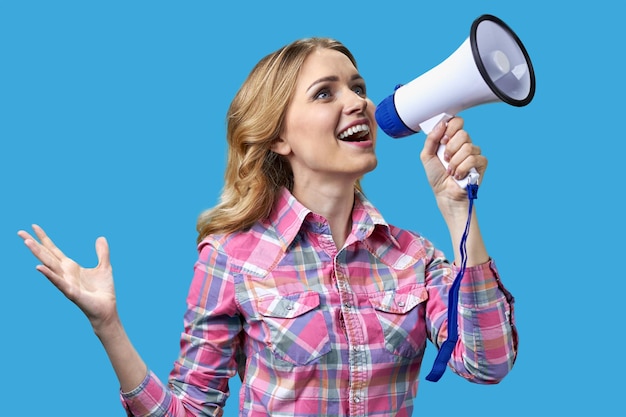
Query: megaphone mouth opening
x,y
484,72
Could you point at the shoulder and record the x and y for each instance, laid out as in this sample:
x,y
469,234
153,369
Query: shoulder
x,y
255,250
401,248
408,239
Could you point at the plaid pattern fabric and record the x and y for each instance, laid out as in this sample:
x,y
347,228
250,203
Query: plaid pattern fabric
x,y
316,331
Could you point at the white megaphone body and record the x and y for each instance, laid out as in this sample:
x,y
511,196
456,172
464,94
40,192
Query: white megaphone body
x,y
491,65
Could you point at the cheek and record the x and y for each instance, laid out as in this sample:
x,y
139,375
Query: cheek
x,y
371,115
371,111
319,127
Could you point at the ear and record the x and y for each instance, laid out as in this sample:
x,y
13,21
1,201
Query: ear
x,y
280,146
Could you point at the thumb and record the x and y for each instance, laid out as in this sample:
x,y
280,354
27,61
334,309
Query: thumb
x,y
102,250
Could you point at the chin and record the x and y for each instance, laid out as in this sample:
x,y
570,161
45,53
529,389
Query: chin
x,y
370,166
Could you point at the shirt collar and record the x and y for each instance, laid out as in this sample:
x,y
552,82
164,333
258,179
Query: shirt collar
x,y
288,216
366,219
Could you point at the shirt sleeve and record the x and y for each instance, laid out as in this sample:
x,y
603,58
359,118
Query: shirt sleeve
x,y
487,346
209,348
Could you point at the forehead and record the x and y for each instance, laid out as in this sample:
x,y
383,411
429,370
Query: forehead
x,y
325,63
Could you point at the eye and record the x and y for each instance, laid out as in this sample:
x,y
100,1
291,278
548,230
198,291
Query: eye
x,y
359,90
322,94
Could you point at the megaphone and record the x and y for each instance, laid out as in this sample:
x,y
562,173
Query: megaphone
x,y
491,65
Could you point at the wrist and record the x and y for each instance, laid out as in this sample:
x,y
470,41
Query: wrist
x,y
108,328
454,212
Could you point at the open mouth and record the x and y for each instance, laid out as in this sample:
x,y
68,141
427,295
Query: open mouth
x,y
355,133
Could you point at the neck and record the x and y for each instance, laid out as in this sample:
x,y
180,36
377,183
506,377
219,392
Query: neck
x,y
334,203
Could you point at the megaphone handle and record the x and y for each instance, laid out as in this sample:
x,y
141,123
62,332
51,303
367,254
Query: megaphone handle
x,y
427,127
472,176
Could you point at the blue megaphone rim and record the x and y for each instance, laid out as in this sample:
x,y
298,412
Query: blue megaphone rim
x,y
388,119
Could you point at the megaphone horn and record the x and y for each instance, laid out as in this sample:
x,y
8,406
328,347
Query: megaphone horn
x,y
491,65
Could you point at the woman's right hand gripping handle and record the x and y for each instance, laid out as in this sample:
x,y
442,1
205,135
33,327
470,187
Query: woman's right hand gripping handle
x,y
92,290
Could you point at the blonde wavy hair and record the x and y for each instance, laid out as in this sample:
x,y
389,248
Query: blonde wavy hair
x,y
254,173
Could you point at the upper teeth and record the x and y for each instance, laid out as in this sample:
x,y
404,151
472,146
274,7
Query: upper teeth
x,y
354,129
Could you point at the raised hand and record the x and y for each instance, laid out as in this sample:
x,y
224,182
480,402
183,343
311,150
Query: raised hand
x,y
462,155
91,289
452,200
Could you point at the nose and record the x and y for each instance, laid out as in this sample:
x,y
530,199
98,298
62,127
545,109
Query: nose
x,y
355,103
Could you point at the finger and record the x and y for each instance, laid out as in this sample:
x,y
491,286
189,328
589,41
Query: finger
x,y
473,161
454,125
38,250
102,250
479,162
47,242
48,260
457,141
458,148
465,151
24,235
53,277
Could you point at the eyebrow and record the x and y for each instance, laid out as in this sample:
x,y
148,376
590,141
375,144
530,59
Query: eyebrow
x,y
332,78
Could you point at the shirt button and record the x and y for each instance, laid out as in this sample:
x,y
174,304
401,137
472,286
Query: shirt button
x,y
357,399
401,304
347,304
289,307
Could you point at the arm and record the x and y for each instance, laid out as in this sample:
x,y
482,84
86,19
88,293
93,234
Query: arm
x,y
452,200
92,290
209,347
201,374
487,345
486,327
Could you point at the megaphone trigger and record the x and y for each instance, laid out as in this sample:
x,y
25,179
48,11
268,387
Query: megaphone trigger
x,y
427,126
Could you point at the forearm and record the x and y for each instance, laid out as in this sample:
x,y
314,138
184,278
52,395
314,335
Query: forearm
x,y
476,250
127,364
486,327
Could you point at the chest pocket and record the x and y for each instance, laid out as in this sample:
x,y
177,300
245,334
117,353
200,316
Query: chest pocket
x,y
296,327
401,314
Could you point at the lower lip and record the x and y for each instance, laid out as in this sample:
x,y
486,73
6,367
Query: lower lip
x,y
360,144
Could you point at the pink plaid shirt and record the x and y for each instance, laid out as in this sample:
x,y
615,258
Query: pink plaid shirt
x,y
318,331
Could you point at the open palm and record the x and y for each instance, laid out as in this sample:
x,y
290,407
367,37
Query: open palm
x,y
91,289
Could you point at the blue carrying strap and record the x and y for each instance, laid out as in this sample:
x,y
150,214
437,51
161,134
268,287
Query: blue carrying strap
x,y
445,351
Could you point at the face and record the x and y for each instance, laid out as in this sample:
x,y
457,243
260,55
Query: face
x,y
329,131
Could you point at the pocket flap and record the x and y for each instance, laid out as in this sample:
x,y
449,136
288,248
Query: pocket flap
x,y
288,306
399,301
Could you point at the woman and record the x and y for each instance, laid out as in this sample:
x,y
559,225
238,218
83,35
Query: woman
x,y
301,286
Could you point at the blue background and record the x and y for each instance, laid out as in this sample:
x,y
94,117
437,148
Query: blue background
x,y
112,123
